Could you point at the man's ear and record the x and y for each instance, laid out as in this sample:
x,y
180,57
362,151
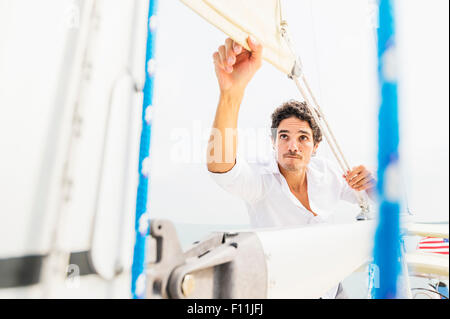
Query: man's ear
x,y
315,147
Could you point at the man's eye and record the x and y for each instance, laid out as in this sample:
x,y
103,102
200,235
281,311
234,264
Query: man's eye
x,y
283,136
303,138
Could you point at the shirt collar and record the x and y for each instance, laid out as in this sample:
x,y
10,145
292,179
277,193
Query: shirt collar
x,y
273,166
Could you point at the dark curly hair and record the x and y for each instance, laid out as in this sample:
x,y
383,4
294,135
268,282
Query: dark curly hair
x,y
299,110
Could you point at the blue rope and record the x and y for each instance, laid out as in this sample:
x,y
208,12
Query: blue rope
x,y
387,250
142,220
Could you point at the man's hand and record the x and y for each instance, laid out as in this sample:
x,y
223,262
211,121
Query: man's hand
x,y
359,178
235,66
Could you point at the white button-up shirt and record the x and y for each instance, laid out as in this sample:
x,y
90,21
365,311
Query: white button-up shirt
x,y
269,200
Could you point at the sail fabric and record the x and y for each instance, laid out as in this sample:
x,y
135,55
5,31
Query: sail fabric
x,y
241,18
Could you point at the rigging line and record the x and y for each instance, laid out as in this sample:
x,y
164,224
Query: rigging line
x,y
314,112
430,290
317,114
326,124
316,64
285,34
142,226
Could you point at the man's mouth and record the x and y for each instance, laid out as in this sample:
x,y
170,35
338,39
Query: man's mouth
x,y
290,156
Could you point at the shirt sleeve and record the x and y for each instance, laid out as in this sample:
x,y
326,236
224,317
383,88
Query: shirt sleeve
x,y
346,192
242,180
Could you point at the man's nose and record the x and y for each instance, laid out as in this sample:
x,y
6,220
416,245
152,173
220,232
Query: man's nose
x,y
293,147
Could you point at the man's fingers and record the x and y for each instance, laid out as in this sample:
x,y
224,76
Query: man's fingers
x,y
242,57
233,47
222,55
361,182
365,185
256,47
217,61
358,178
223,59
355,171
237,48
229,52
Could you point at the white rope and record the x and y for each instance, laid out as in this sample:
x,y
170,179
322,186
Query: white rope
x,y
347,166
329,136
317,113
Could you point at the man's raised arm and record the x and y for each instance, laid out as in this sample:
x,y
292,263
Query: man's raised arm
x,y
235,67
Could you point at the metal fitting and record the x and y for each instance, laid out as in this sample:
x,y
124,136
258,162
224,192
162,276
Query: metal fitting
x,y
188,285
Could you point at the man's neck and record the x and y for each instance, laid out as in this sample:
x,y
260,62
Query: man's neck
x,y
295,179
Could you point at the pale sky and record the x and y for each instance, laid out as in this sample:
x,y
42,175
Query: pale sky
x,y
336,43
338,55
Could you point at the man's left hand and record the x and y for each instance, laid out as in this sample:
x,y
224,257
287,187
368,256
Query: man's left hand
x,y
360,178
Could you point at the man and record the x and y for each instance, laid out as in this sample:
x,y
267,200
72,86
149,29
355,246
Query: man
x,y
297,188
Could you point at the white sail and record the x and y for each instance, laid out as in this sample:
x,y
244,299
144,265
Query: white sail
x,y
241,18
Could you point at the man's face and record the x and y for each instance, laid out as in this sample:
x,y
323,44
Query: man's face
x,y
294,144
